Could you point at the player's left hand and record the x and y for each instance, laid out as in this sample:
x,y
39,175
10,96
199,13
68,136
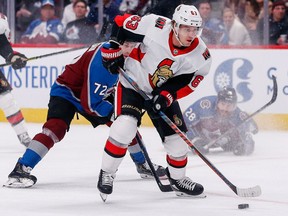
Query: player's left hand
x,y
112,59
18,60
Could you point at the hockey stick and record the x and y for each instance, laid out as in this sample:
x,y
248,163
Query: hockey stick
x,y
242,192
273,99
49,54
163,188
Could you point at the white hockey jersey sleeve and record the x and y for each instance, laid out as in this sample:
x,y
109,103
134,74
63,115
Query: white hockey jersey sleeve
x,y
4,27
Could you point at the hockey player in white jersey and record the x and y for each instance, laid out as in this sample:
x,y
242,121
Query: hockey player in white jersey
x,y
170,63
7,102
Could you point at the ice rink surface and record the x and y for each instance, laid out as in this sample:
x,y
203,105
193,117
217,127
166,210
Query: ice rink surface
x,y
68,175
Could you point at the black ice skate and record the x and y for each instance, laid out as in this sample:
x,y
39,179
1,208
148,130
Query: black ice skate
x,y
146,173
185,187
20,177
105,184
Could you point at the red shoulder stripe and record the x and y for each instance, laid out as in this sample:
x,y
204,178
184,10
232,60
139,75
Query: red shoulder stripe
x,y
183,92
119,19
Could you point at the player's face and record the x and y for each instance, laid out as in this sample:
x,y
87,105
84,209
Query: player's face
x,y
205,10
228,18
127,48
47,12
80,10
225,108
187,34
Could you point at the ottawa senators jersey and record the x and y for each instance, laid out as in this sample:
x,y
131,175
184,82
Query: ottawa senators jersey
x,y
4,27
156,60
5,46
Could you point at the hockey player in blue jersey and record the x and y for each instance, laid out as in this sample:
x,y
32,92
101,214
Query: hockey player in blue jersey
x,y
210,117
84,87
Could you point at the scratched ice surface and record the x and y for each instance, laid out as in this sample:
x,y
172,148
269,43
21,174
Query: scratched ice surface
x,y
68,174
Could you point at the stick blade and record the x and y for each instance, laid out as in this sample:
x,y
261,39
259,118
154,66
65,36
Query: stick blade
x,y
249,192
275,90
165,188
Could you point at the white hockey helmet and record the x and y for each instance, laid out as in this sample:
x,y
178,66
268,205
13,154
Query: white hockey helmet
x,y
187,15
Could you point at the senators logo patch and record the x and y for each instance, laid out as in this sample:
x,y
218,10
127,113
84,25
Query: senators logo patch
x,y
177,120
162,73
206,54
3,83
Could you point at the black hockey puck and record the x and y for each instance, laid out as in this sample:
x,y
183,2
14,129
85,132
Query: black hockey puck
x,y
243,206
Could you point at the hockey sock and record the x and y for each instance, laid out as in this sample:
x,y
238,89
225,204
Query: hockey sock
x,y
136,152
30,158
112,157
138,157
176,166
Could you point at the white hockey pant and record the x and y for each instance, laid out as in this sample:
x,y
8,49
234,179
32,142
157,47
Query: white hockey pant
x,y
12,112
122,132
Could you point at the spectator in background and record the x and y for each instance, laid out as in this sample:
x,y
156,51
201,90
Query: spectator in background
x,y
213,29
251,18
110,10
237,32
261,5
68,13
26,12
278,24
133,6
166,7
79,31
237,6
254,11
47,29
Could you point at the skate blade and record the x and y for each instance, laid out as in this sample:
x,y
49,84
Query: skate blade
x,y
184,195
19,183
103,196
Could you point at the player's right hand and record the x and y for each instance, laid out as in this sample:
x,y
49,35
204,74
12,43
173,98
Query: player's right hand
x,y
112,59
162,100
223,141
18,60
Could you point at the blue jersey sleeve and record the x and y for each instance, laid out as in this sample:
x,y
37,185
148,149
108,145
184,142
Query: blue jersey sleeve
x,y
100,80
201,109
